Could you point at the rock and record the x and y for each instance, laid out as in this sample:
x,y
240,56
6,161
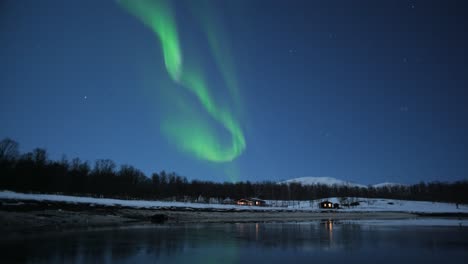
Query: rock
x,y
158,218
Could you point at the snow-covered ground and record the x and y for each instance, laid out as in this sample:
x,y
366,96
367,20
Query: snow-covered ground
x,y
119,202
365,204
378,205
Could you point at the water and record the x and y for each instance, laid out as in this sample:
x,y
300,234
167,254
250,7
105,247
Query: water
x,y
314,242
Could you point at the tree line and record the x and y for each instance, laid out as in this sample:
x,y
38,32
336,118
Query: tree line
x,y
34,172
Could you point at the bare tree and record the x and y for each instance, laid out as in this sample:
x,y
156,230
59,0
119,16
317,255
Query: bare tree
x,y
40,156
104,166
8,149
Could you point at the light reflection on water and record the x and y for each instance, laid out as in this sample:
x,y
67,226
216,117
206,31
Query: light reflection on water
x,y
323,241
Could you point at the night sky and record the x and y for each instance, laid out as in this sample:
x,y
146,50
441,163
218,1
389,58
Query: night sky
x,y
364,91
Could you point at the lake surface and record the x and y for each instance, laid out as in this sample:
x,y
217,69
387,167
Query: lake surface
x,y
313,242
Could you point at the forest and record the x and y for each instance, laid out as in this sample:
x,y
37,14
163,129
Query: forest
x,y
34,172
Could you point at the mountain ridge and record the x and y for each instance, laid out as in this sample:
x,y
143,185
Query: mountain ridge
x,y
330,181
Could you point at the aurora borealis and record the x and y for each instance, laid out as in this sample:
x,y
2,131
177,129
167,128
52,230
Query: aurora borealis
x,y
191,133
241,90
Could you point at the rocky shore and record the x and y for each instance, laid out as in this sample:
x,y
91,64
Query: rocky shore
x,y
26,217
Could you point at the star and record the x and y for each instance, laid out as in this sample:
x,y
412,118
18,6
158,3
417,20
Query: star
x,y
85,97
324,133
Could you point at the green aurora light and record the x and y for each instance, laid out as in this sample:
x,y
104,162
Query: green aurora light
x,y
191,132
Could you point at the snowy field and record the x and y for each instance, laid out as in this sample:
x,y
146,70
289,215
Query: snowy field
x,y
365,204
378,205
9,195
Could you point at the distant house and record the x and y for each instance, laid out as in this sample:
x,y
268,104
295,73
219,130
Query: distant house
x,y
251,202
244,202
336,205
326,205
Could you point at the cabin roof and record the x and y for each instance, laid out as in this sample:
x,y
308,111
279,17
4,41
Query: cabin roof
x,y
256,199
252,199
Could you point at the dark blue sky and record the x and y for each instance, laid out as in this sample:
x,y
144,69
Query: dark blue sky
x,y
365,91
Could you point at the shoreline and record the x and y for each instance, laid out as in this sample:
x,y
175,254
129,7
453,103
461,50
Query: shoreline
x,y
32,217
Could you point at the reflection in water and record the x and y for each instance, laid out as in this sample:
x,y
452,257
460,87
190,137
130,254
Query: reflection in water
x,y
326,241
329,227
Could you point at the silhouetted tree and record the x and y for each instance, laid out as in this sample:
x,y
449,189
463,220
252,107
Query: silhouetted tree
x,y
33,171
9,149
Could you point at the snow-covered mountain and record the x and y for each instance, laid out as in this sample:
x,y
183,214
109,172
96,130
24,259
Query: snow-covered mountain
x,y
329,181
324,181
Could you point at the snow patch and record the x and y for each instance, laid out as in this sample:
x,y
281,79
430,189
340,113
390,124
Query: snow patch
x,y
364,204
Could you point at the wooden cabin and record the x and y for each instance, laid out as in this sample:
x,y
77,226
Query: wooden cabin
x,y
326,205
251,202
258,202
